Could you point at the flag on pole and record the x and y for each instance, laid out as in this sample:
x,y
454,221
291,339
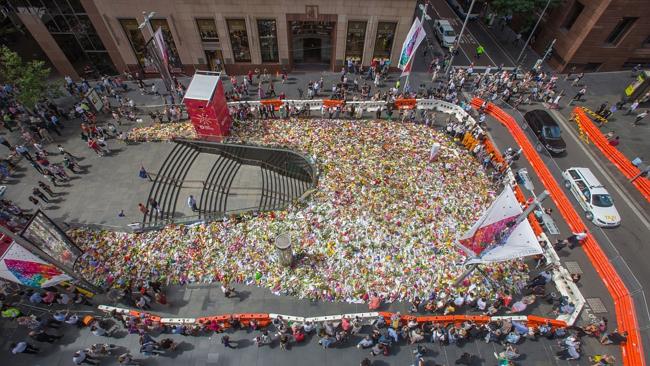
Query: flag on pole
x,y
495,238
415,35
407,69
161,45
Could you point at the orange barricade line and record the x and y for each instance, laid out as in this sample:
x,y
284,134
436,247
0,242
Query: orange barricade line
x,y
632,350
405,103
612,153
332,103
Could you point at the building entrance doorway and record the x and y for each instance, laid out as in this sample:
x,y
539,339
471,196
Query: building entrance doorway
x,y
312,44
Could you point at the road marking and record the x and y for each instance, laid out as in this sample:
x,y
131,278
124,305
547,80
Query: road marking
x,y
497,43
470,34
638,211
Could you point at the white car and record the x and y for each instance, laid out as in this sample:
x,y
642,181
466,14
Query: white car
x,y
444,32
592,197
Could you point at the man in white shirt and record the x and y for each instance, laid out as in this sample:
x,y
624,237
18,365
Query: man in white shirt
x,y
576,239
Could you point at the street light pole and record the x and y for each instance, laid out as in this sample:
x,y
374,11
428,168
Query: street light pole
x,y
147,23
533,31
460,35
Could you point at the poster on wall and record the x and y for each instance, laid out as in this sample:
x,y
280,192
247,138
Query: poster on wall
x,y
19,265
44,234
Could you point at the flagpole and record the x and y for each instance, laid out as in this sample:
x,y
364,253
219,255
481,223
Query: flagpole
x,y
424,13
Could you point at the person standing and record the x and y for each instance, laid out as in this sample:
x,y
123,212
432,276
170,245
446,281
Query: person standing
x,y
41,336
633,107
22,150
639,117
80,357
191,203
579,94
480,50
23,347
575,239
225,340
5,142
142,208
38,193
155,206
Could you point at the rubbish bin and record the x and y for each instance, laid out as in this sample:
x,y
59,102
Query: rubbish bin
x,y
283,245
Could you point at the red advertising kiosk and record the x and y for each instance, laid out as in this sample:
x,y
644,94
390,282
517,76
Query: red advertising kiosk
x,y
206,105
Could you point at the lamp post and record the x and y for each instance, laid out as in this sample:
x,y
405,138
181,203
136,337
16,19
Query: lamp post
x,y
533,31
460,35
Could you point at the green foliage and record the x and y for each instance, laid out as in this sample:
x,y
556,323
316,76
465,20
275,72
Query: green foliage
x,y
530,7
30,79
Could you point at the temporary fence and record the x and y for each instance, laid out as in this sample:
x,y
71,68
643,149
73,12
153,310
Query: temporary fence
x,y
264,319
626,316
612,153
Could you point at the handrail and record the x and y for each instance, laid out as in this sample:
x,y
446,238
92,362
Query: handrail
x,y
240,159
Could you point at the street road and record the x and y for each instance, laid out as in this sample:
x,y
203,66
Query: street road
x,y
625,245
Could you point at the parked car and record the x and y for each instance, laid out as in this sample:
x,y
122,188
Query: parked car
x,y
444,32
547,130
462,6
592,197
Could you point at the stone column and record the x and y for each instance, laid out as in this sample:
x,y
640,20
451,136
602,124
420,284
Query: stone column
x,y
40,33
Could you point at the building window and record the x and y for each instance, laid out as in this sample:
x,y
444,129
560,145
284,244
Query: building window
x,y
572,15
620,30
355,39
172,51
134,35
207,30
384,40
213,58
74,33
268,40
239,40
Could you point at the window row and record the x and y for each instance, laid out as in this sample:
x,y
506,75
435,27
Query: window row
x,y
268,38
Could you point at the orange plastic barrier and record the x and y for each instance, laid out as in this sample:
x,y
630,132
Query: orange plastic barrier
x,y
276,103
405,103
632,350
616,157
538,320
534,224
330,103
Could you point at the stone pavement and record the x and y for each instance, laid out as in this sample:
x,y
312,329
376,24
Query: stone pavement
x,y
196,300
111,183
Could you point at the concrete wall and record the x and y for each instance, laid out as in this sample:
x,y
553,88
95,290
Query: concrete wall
x,y
181,15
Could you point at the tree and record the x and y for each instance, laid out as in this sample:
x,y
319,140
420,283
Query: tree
x,y
528,9
29,79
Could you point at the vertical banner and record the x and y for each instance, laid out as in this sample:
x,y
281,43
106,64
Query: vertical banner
x,y
19,265
154,57
413,39
162,46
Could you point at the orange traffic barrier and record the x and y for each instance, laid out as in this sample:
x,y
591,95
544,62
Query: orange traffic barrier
x,y
632,350
538,320
405,103
611,152
276,103
331,103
